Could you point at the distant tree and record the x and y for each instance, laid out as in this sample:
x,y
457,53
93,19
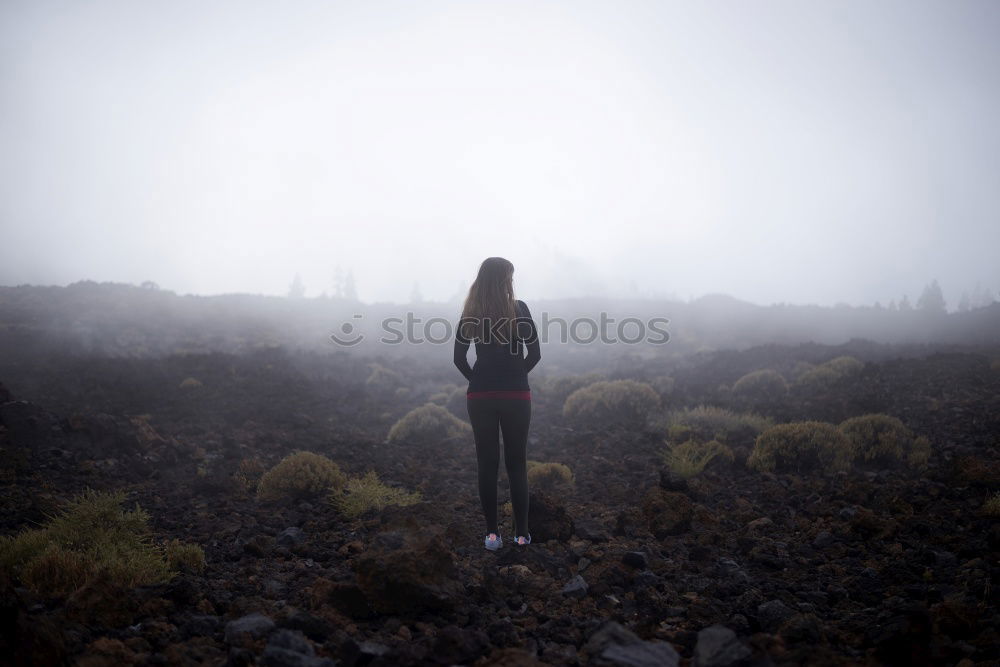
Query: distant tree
x,y
981,297
338,283
149,284
460,293
415,295
297,289
877,306
963,303
350,289
904,303
892,305
932,299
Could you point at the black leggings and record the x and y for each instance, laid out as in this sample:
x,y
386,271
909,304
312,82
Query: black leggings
x,y
512,416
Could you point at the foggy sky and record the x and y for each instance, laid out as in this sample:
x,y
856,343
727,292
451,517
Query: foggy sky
x,y
801,152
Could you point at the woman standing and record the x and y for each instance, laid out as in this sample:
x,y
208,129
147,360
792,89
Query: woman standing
x,y
498,397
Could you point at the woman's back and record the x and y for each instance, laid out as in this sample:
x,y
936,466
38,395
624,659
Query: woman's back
x,y
500,364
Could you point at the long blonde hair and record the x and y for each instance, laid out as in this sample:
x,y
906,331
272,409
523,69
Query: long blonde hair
x,y
491,297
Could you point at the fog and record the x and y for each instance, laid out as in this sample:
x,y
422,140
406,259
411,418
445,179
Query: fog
x,y
808,153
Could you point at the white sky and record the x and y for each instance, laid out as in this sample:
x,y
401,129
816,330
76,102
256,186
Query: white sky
x,y
806,152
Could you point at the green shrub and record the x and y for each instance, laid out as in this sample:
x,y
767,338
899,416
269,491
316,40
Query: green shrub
x,y
762,385
879,438
382,379
553,477
664,385
688,459
90,536
992,505
185,557
300,475
362,494
428,422
248,474
710,422
622,402
558,388
800,446
827,373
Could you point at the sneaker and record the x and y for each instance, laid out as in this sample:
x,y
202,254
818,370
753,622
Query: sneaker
x,y
493,541
521,540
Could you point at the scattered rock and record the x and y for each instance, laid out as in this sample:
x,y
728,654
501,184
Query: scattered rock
x,y
635,559
409,573
254,626
290,537
718,647
772,614
549,520
575,587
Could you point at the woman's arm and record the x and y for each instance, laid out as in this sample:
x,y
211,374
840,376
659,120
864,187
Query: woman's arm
x,y
461,355
530,339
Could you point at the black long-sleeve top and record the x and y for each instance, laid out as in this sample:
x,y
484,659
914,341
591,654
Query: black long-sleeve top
x,y
499,365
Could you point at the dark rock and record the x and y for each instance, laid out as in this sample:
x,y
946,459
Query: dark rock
x,y
313,627
772,614
418,575
290,537
667,512
801,629
718,647
575,587
200,625
643,654
612,644
824,538
549,519
289,648
635,559
254,626
259,545
591,530
671,481
454,645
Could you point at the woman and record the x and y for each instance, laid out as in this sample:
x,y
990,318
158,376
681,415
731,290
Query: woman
x,y
498,397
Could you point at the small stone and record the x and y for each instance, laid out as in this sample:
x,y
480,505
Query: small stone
x,y
718,647
635,559
291,536
254,625
575,587
773,613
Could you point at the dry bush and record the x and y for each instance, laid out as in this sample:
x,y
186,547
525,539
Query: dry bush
x,y
300,475
992,505
557,389
664,385
91,536
189,383
620,402
827,373
382,379
363,494
248,474
185,557
688,459
801,446
710,422
761,385
550,476
428,422
879,438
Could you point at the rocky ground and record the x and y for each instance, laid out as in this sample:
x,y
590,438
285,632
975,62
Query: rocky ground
x,y
634,566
